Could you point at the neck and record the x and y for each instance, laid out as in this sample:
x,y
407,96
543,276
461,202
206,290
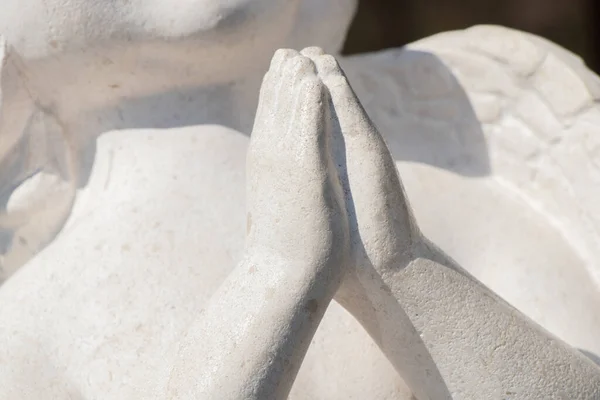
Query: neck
x,y
228,104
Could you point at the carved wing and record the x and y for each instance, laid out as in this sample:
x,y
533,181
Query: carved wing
x,y
494,101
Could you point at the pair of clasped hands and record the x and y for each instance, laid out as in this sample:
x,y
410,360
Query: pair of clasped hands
x,y
327,217
323,188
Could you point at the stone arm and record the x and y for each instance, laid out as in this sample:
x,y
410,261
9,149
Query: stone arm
x,y
481,345
250,340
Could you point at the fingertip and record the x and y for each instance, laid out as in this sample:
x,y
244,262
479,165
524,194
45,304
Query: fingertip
x,y
312,52
280,57
327,65
300,67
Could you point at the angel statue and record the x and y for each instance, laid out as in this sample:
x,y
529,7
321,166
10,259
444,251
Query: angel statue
x,y
442,193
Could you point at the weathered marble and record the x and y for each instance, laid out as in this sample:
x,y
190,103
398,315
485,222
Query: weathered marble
x,y
123,158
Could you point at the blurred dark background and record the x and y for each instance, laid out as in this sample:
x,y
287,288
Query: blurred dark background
x,y
573,24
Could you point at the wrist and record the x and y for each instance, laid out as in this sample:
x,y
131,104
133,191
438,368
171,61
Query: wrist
x,y
311,275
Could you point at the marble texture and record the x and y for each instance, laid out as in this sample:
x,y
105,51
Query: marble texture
x,y
122,172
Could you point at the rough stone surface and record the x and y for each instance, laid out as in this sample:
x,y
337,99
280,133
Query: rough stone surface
x,y
123,140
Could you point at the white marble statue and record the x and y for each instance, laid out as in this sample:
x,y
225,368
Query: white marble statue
x,y
122,157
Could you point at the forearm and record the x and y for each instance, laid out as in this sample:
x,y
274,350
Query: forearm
x,y
481,345
251,339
